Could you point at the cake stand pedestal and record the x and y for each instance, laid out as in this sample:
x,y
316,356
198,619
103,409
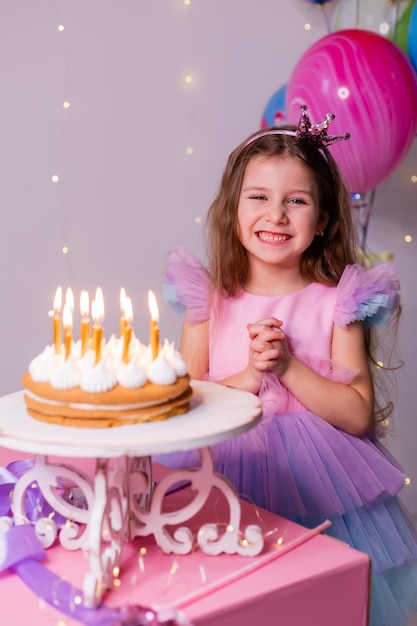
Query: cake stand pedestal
x,y
121,502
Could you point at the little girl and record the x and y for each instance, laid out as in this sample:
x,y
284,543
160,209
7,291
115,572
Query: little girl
x,y
283,311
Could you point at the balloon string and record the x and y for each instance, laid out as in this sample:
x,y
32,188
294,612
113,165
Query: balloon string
x,y
367,218
395,19
357,13
326,19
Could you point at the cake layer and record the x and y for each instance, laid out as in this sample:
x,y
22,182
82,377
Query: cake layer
x,y
148,395
84,416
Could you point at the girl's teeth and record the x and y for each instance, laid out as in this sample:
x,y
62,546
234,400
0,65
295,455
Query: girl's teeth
x,y
269,237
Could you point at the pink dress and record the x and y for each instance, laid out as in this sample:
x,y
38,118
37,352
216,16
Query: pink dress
x,y
293,462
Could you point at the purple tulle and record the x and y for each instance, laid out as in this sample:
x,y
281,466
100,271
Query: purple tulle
x,y
367,295
186,285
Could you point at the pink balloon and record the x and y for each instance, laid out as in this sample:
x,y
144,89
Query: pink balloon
x,y
371,87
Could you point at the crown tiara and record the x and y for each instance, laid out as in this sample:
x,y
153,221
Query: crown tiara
x,y
314,134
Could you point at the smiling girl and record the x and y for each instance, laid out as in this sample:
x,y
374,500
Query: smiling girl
x,y
285,311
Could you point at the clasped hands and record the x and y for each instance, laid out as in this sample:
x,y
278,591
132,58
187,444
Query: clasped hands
x,y
268,348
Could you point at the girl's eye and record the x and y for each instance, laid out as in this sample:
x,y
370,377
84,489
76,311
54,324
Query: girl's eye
x,y
258,197
296,201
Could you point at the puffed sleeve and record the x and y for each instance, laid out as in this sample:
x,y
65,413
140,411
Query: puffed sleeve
x,y
368,295
186,285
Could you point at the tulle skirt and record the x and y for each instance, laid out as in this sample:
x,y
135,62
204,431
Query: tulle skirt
x,y
302,468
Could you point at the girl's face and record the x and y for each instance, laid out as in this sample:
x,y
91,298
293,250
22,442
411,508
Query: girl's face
x,y
278,211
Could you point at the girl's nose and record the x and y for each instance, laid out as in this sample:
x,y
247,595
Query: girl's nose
x,y
278,213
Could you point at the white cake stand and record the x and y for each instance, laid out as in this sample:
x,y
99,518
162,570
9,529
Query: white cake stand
x,y
121,501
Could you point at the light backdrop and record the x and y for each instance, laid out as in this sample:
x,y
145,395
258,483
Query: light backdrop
x,y
134,106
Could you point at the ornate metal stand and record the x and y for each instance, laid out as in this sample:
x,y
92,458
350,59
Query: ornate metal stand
x,y
121,503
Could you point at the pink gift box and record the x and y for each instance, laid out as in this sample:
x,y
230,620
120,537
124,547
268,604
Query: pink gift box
x,y
320,582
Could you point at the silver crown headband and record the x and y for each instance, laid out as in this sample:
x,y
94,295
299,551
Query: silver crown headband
x,y
314,134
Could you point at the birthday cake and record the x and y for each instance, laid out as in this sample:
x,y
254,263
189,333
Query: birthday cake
x,y
76,391
94,383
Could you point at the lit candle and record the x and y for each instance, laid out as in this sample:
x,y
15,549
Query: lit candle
x,y
127,331
67,319
85,322
57,319
97,312
153,324
122,308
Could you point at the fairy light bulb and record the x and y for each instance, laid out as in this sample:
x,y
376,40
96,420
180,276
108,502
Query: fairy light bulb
x,y
61,28
414,178
188,79
55,178
408,239
66,104
189,150
343,93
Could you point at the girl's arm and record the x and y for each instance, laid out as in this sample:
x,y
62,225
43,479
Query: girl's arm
x,y
348,407
194,348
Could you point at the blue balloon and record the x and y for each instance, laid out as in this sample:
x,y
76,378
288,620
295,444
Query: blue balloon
x,y
412,37
274,112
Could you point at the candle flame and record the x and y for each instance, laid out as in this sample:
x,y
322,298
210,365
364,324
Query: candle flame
x,y
69,298
153,306
58,300
128,310
67,317
84,303
122,300
98,310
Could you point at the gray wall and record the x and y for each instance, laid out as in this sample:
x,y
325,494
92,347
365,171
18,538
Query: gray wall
x,y
127,190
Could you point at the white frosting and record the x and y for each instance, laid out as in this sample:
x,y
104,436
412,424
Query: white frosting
x,y
131,375
43,365
160,372
174,358
98,379
82,371
67,376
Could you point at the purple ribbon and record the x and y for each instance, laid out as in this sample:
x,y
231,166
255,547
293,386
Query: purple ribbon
x,y
36,506
21,551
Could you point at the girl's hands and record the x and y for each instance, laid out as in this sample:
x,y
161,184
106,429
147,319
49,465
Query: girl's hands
x,y
268,349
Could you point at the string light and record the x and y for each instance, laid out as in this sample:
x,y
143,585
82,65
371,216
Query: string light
x,y
65,250
343,93
414,178
66,104
61,28
55,178
188,79
408,239
307,26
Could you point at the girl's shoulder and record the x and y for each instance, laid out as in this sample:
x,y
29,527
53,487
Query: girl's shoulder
x,y
186,285
369,295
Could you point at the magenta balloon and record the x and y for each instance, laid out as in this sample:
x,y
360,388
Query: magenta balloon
x,y
371,87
